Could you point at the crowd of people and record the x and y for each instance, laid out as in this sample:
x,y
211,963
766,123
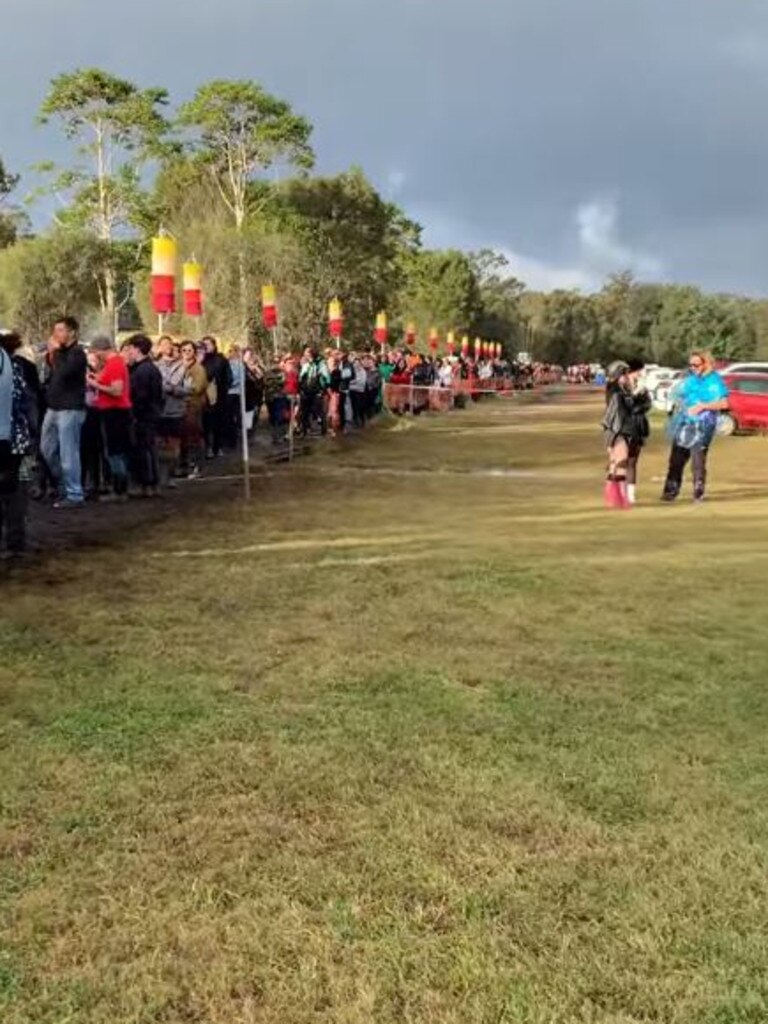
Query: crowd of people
x,y
98,422
93,422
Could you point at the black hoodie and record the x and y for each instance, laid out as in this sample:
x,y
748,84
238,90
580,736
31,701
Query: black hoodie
x,y
146,392
66,383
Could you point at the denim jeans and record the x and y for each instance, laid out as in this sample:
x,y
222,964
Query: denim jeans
x,y
60,447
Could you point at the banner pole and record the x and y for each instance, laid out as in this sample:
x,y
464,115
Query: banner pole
x,y
244,433
291,428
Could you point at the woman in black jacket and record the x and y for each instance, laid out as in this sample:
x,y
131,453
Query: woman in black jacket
x,y
641,406
625,427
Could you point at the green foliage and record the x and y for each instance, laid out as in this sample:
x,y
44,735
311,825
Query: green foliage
x,y
8,182
238,130
661,323
10,217
48,276
501,317
353,244
117,128
688,319
570,327
441,290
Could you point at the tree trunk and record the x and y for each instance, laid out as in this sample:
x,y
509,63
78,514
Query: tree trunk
x,y
110,300
239,210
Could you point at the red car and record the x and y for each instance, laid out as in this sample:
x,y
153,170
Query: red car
x,y
747,402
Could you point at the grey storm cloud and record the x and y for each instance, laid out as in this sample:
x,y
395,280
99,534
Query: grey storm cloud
x,y
579,136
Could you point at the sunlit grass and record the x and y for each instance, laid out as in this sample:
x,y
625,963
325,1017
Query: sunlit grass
x,y
405,747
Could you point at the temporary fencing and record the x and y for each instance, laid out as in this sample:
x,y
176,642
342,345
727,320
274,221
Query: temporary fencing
x,y
400,398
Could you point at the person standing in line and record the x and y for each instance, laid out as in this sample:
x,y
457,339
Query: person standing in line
x,y
233,417
175,391
30,473
192,438
15,443
334,394
147,400
110,381
314,380
220,381
275,398
357,389
254,389
702,395
60,439
94,466
346,373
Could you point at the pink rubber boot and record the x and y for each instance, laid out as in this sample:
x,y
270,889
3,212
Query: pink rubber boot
x,y
612,494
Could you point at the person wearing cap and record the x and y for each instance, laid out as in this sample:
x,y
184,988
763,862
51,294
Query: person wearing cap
x,y
642,404
109,380
64,417
623,433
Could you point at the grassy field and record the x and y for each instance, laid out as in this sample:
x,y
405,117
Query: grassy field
x,y
423,735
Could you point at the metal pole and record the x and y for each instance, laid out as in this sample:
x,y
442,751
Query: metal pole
x,y
160,323
291,428
274,341
244,433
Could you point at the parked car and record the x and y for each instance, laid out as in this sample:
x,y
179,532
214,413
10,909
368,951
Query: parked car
x,y
652,376
747,403
663,395
746,368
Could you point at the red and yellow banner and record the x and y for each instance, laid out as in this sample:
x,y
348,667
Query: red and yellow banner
x,y
381,334
434,339
163,283
465,346
193,288
410,334
335,319
450,342
269,306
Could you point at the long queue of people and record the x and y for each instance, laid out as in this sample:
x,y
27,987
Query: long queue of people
x,y
92,422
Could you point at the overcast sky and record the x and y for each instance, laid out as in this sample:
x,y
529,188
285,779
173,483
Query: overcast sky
x,y
578,136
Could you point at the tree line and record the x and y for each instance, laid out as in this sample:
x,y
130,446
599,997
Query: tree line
x,y
229,174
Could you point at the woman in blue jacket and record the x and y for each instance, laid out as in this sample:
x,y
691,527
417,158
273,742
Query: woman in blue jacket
x,y
701,397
